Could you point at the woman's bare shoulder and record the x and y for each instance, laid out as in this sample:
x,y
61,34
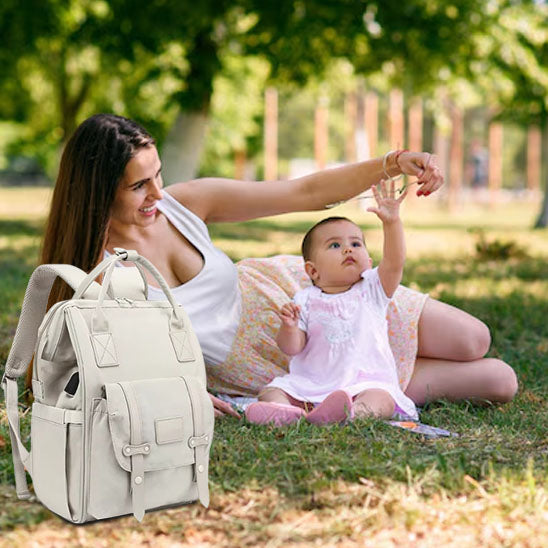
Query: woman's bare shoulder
x,y
179,191
188,195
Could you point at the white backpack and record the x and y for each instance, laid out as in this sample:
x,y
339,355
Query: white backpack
x,y
121,420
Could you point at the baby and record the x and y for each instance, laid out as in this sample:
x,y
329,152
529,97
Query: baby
x,y
336,330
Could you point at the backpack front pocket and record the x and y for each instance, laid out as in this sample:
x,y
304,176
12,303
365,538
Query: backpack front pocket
x,y
150,443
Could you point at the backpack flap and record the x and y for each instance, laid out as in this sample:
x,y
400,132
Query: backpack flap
x,y
156,412
155,426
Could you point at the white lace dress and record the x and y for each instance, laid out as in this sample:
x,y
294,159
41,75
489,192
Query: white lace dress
x,y
347,345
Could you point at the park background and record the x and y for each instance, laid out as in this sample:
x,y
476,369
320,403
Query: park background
x,y
266,90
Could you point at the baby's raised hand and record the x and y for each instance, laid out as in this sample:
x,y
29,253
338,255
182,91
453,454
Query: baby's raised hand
x,y
388,206
289,313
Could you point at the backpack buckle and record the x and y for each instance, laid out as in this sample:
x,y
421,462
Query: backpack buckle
x,y
126,254
130,450
5,379
196,441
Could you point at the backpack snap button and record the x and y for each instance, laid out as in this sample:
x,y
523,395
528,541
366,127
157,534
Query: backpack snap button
x,y
138,480
127,451
201,468
147,448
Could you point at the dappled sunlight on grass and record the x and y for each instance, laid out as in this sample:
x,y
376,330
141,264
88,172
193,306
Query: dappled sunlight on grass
x,y
20,243
495,513
472,288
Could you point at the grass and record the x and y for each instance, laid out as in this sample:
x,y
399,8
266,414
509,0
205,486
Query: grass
x,y
365,484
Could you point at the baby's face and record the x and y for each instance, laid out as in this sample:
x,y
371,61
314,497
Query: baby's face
x,y
338,257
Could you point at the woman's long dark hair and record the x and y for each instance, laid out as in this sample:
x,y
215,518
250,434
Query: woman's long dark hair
x,y
92,165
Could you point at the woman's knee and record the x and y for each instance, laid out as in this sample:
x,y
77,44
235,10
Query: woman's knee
x,y
503,382
446,332
487,379
476,340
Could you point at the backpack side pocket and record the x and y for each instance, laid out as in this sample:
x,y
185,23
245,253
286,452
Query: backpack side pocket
x,y
57,440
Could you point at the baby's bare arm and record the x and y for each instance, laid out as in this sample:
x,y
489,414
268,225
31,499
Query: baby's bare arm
x,y
393,257
291,340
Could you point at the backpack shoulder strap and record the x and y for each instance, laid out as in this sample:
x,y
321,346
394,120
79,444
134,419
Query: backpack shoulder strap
x,y
32,314
21,457
34,309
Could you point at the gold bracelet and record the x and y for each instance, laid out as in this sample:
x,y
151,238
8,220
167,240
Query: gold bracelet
x,y
384,159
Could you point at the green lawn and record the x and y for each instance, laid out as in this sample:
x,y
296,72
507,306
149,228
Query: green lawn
x,y
365,482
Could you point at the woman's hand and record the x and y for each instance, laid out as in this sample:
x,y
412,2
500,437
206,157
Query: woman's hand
x,y
222,408
424,166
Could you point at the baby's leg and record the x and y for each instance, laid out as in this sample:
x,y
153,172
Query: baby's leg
x,y
277,395
374,402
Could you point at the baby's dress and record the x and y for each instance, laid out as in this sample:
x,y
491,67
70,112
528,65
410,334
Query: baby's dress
x,y
347,345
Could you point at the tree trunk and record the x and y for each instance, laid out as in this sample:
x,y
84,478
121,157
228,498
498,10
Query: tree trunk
x,y
183,147
240,159
534,158
372,122
542,220
350,118
70,104
455,158
271,134
414,138
396,121
184,144
495,161
321,133
415,124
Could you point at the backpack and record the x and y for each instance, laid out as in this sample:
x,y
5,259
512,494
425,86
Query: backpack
x,y
121,420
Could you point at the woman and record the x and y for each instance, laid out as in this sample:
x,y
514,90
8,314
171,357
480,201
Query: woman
x,y
109,194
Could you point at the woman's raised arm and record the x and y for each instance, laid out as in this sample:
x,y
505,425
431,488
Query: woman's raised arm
x,y
228,200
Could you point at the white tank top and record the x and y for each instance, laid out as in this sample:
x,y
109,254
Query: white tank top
x,y
212,298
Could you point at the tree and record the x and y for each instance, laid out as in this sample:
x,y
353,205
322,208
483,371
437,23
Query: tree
x,y
158,60
85,42
70,56
513,69
299,39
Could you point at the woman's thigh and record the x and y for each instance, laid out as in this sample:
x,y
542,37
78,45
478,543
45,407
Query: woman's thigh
x,y
486,379
447,333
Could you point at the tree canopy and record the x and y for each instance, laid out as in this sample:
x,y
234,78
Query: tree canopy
x,y
149,60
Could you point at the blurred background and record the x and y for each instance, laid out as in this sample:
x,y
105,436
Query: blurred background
x,y
263,89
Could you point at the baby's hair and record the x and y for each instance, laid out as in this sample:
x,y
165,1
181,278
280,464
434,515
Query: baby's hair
x,y
306,246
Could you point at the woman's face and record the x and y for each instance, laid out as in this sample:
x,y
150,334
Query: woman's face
x,y
139,190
